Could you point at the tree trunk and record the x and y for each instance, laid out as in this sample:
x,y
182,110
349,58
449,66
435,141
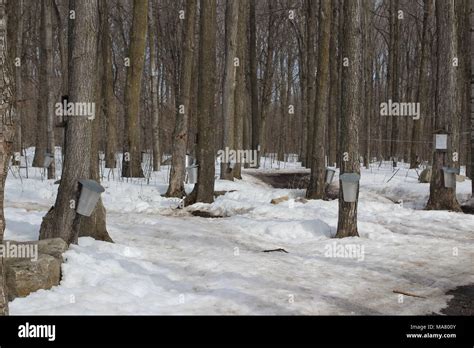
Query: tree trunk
x,y
240,99
7,133
423,88
311,8
351,95
155,116
229,83
47,68
267,80
95,225
45,117
441,197
180,134
62,220
131,164
109,107
253,80
204,189
334,91
470,90
317,184
395,80
18,144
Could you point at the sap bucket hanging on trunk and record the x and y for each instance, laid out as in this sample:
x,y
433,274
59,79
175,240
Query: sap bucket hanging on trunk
x,y
450,177
48,159
90,194
350,185
192,173
329,175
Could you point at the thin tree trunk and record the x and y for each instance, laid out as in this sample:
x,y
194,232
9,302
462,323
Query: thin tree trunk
x,y
229,83
47,63
240,99
316,188
267,80
155,116
18,144
395,33
311,8
109,107
253,80
334,91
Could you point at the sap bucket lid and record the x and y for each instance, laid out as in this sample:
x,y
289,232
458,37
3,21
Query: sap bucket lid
x,y
451,170
350,177
92,185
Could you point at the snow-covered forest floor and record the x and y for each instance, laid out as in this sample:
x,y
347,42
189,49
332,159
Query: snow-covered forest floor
x,y
167,261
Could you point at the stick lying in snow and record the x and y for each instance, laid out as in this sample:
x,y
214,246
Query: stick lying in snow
x,y
271,250
407,294
279,200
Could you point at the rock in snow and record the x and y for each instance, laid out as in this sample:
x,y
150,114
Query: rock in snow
x,y
39,269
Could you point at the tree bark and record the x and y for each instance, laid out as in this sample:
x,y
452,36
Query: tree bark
x,y
155,115
95,225
62,220
253,80
334,91
181,132
441,197
423,88
131,164
316,188
267,83
240,99
351,95
229,83
7,132
311,14
204,189
109,103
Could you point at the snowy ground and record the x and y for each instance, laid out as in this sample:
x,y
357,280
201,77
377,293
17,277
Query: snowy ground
x,y
166,261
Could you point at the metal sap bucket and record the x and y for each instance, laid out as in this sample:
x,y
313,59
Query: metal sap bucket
x,y
350,185
90,194
48,159
450,177
329,175
192,174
